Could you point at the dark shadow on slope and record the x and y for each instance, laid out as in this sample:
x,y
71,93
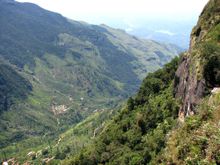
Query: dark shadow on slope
x,y
12,87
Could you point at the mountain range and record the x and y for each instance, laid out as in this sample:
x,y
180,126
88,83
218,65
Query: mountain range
x,y
64,86
55,72
174,117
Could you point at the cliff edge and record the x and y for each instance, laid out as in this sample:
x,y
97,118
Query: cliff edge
x,y
198,72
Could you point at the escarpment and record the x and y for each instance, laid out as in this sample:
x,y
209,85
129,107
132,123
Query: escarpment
x,y
199,69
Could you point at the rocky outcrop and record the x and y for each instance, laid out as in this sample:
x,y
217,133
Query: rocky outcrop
x,y
190,83
188,88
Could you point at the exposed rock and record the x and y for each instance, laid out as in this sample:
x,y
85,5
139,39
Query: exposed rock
x,y
188,88
190,84
212,99
47,160
39,153
215,90
32,155
11,161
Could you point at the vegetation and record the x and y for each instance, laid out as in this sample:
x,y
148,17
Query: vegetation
x,y
62,80
13,87
139,132
196,142
37,149
58,72
147,130
210,54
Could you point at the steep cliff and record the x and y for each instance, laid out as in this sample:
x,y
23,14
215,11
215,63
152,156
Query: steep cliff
x,y
198,71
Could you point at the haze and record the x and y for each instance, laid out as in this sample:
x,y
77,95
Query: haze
x,y
93,11
162,20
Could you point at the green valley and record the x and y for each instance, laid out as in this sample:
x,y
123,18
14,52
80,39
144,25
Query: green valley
x,y
73,93
63,79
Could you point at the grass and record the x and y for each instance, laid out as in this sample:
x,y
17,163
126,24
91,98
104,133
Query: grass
x,y
197,140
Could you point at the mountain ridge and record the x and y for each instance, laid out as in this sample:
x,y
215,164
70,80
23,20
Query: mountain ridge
x,y
174,117
68,70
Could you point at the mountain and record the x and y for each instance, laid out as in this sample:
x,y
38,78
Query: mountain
x,y
168,31
174,117
139,48
30,31
55,72
165,30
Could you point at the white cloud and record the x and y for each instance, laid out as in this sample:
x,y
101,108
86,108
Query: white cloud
x,y
165,32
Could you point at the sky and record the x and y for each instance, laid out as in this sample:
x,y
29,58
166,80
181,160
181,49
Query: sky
x,y
102,11
169,21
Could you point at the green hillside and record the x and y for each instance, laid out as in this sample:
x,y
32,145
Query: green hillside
x,y
174,117
12,87
55,72
138,133
76,54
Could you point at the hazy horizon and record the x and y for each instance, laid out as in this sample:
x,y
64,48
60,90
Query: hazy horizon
x,y
101,11
167,21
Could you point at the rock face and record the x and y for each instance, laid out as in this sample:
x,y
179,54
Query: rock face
x,y
188,88
191,83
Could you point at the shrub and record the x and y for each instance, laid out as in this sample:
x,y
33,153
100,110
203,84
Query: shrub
x,y
130,104
212,71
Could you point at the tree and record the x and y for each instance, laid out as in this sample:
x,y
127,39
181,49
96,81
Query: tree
x,y
130,103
